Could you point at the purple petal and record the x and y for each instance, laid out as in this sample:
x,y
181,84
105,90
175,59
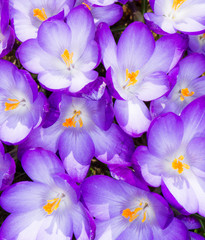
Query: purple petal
x,y
165,135
76,149
195,236
153,86
189,221
107,45
23,197
40,165
135,46
193,117
112,146
109,14
133,116
54,37
82,27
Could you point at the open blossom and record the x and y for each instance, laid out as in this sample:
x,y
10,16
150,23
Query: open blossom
x,y
137,71
64,54
83,129
187,85
197,43
123,211
109,14
7,168
7,36
175,155
171,16
21,106
47,208
27,16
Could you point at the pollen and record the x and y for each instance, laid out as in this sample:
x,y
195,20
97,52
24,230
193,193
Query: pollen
x,y
131,78
67,58
52,205
178,165
177,4
132,215
87,5
71,122
185,93
11,106
40,14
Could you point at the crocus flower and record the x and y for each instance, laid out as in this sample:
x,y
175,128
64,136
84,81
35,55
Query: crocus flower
x,y
21,107
175,155
47,208
171,16
102,2
68,61
197,43
187,85
7,36
137,71
83,130
27,16
7,168
109,14
123,211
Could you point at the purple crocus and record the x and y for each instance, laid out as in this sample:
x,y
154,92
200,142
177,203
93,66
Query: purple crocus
x,y
83,129
137,71
7,168
27,16
171,16
109,14
7,36
21,106
197,43
187,85
64,54
47,208
175,155
123,211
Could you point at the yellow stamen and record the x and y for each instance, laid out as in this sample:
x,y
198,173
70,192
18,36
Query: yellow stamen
x,y
87,5
40,14
177,4
132,76
11,106
71,122
203,36
178,165
185,93
67,58
144,216
52,205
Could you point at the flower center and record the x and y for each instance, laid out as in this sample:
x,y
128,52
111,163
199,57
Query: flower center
x,y
131,78
11,106
132,215
71,122
185,93
86,5
177,4
52,205
40,14
67,58
178,165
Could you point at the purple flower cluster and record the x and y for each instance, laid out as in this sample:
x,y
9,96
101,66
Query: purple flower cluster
x,y
137,106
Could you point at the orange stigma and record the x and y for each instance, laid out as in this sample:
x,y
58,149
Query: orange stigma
x,y
40,14
132,215
131,77
11,106
185,93
86,5
52,205
177,4
67,58
71,122
178,165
